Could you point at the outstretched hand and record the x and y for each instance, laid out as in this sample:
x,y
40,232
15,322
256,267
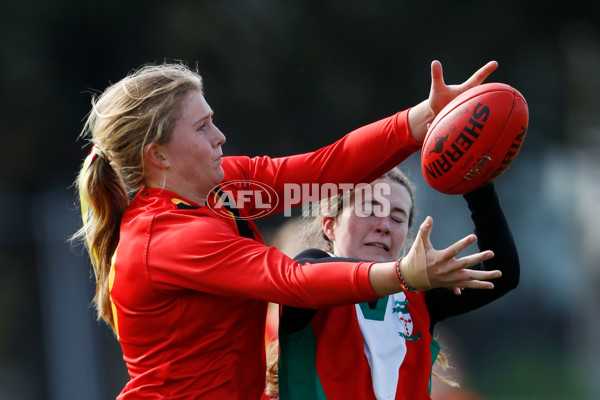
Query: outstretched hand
x,y
425,267
441,94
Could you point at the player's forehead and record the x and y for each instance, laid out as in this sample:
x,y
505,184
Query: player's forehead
x,y
387,191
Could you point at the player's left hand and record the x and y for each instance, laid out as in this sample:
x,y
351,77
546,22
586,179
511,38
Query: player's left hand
x,y
441,94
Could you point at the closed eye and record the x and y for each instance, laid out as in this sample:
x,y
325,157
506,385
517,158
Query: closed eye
x,y
398,217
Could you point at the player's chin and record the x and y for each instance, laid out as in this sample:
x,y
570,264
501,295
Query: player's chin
x,y
220,174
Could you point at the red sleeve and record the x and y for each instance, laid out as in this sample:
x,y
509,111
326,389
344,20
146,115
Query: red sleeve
x,y
361,156
204,254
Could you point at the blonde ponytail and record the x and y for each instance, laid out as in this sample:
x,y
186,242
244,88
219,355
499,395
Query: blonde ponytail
x,y
139,109
103,199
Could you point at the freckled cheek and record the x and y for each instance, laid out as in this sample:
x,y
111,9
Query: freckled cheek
x,y
353,228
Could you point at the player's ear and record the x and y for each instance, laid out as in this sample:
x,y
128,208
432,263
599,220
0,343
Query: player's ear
x,y
327,226
154,154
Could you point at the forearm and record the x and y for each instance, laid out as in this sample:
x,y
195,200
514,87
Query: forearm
x,y
361,156
493,233
383,278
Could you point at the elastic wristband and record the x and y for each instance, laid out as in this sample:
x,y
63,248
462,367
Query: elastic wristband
x,y
405,286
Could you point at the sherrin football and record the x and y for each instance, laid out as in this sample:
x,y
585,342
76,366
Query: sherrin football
x,y
474,139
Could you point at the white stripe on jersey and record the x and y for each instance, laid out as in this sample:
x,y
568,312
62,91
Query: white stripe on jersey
x,y
385,343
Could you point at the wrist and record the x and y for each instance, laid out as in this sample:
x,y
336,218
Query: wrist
x,y
419,117
406,287
413,269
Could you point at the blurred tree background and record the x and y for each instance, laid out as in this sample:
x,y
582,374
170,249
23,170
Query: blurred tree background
x,y
288,77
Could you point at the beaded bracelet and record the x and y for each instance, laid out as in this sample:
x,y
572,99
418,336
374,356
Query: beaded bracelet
x,y
405,286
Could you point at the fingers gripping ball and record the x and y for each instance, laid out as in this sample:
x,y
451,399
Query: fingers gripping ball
x,y
474,139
